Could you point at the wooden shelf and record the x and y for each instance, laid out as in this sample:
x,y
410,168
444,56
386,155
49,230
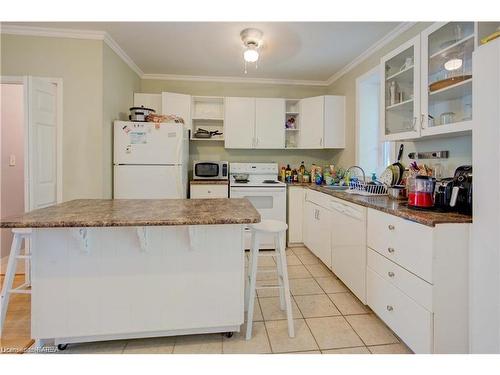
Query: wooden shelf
x,y
450,92
207,119
399,104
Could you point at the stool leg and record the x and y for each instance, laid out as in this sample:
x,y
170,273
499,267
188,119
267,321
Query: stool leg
x,y
27,261
9,277
279,265
288,301
254,255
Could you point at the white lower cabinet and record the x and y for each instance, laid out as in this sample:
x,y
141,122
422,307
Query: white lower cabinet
x,y
414,277
203,191
417,281
407,319
317,232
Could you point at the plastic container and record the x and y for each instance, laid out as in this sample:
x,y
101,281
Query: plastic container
x,y
421,191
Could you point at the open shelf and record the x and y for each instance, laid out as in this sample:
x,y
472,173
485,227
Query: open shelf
x,y
400,104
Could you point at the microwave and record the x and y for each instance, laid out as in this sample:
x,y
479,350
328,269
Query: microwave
x,y
210,170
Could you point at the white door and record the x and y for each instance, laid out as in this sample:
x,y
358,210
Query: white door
x,y
177,104
149,182
270,123
334,125
146,143
239,122
311,122
42,139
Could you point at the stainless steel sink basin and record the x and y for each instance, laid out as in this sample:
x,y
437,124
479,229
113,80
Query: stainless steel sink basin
x,y
336,187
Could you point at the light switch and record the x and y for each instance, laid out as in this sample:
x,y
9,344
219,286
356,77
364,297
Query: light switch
x,y
12,160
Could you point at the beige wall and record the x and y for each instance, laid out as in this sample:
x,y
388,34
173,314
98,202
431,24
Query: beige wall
x,y
119,84
97,88
206,150
12,143
79,63
459,147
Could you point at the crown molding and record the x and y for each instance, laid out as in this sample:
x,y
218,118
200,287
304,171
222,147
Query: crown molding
x,y
230,79
106,38
393,34
72,34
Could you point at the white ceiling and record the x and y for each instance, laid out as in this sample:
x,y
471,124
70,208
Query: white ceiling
x,y
292,50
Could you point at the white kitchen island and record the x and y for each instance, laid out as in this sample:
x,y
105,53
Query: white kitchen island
x,y
117,269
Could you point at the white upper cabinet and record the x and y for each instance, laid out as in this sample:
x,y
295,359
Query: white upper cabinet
x,y
400,92
446,103
239,122
427,83
270,123
177,104
322,120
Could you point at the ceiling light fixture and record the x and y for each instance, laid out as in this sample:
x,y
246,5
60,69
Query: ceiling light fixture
x,y
252,41
453,64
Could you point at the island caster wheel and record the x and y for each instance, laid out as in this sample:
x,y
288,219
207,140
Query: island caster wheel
x,y
228,334
62,346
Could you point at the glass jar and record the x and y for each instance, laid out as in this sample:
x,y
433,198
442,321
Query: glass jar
x,y
421,191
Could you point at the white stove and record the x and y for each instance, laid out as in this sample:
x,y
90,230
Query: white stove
x,y
263,190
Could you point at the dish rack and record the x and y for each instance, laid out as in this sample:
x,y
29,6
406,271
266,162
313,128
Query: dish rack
x,y
362,188
359,186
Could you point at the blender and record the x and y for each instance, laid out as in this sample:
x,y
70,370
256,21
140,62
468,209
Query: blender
x,y
421,192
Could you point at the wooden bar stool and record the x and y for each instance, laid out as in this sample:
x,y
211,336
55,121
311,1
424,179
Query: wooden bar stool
x,y
278,229
20,234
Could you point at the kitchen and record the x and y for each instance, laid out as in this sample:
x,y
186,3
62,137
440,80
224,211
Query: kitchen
x,y
370,252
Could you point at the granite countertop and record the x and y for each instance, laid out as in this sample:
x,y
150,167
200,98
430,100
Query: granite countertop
x,y
394,207
137,212
209,182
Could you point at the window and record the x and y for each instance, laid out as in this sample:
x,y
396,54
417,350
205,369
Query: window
x,y
372,154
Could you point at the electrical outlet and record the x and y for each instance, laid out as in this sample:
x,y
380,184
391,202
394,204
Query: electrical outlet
x,y
12,160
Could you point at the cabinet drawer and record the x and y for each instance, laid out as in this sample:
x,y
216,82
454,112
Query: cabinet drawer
x,y
321,199
416,288
209,191
405,317
408,244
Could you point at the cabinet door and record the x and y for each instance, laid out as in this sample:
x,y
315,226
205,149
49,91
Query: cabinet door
x,y
334,127
152,101
317,232
239,122
311,122
446,94
177,104
400,92
269,123
295,214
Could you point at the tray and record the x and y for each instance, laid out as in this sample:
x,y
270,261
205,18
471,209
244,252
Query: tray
x,y
438,85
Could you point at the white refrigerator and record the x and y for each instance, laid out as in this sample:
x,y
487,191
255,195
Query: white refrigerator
x,y
150,160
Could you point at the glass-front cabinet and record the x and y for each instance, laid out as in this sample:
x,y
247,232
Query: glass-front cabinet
x,y
427,82
446,103
400,92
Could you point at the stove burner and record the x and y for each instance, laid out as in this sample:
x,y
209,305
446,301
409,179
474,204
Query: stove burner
x,y
270,182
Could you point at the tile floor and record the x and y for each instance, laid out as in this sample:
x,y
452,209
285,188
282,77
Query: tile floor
x,y
328,319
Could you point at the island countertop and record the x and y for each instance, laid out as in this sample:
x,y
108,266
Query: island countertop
x,y
137,212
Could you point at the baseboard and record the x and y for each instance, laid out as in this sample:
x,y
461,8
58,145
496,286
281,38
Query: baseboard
x,y
3,265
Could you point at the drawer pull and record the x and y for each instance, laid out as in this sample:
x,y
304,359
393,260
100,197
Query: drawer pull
x,y
390,308
390,250
390,273
391,227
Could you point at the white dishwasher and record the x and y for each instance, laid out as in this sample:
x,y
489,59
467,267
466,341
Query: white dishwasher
x,y
348,223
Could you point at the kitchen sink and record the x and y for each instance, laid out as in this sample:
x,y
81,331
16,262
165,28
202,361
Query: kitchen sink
x,y
336,187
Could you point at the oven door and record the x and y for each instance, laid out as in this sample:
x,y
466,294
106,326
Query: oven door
x,y
271,204
204,170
